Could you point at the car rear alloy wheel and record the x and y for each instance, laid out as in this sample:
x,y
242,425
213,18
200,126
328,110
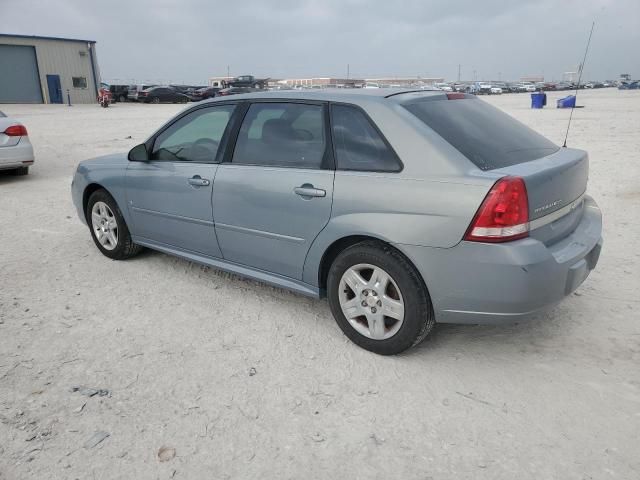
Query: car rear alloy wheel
x,y
105,226
371,301
378,298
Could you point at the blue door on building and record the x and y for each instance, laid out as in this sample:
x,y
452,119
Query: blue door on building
x,y
55,89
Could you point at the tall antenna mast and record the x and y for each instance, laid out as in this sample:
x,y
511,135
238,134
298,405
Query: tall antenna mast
x,y
593,24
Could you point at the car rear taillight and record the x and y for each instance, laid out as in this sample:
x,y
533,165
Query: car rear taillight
x,y
503,215
16,131
142,94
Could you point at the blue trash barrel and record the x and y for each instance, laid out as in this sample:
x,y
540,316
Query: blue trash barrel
x,y
567,102
537,100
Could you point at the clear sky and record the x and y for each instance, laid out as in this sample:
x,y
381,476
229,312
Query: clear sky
x,y
191,40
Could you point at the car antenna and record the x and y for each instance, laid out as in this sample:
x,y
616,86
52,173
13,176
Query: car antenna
x,y
593,24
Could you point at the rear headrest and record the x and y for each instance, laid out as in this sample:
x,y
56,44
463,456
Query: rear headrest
x,y
275,130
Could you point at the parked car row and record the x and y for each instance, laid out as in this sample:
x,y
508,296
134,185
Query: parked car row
x,y
144,93
493,88
246,84
630,85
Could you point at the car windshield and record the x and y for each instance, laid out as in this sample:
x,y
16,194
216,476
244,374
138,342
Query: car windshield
x,y
484,134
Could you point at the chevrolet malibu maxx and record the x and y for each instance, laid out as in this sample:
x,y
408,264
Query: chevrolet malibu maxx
x,y
403,208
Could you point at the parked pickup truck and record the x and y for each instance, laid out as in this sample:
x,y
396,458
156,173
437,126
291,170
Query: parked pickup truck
x,y
247,81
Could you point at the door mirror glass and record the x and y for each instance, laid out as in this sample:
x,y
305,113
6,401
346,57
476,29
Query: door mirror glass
x,y
139,153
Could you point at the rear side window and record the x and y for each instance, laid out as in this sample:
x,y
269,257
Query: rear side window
x,y
358,144
484,134
282,135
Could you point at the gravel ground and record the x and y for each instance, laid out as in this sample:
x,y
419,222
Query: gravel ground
x,y
193,373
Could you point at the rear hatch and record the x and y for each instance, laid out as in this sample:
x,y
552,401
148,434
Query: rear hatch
x,y
498,145
555,187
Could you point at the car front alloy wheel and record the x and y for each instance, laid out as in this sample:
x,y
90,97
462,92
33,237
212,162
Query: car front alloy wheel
x,y
108,227
105,226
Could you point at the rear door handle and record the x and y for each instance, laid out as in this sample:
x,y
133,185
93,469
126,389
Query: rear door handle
x,y
308,190
198,181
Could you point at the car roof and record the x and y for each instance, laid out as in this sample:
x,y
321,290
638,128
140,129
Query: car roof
x,y
350,95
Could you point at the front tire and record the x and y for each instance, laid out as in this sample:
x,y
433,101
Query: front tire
x,y
108,228
379,299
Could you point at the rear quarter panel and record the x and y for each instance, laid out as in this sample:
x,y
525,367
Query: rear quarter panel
x,y
429,203
395,210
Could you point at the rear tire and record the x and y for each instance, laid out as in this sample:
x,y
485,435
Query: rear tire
x,y
116,243
397,334
155,100
122,98
20,171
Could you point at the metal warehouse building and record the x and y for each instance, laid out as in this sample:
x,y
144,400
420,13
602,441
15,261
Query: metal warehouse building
x,y
42,69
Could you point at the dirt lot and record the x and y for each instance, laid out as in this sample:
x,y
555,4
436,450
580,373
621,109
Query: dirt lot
x,y
248,381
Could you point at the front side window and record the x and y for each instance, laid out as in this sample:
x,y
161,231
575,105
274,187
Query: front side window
x,y
358,144
79,82
195,137
282,135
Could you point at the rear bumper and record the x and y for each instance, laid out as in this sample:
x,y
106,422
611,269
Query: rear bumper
x,y
480,283
16,156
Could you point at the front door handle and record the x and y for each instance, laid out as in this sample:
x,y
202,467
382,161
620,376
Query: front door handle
x,y
198,181
308,190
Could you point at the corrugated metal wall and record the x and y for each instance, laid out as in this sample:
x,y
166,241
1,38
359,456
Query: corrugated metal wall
x,y
67,59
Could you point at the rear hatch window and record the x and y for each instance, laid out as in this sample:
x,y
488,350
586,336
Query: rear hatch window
x,y
484,134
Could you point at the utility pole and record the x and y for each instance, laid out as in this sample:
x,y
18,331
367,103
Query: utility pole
x,y
459,66
228,76
347,71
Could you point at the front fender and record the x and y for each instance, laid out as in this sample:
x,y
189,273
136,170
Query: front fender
x,y
107,172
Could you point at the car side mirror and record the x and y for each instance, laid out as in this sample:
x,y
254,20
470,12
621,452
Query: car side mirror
x,y
139,153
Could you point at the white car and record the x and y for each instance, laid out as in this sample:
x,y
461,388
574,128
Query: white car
x,y
445,87
496,90
16,152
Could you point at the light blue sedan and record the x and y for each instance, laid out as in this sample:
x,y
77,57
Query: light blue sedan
x,y
404,208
